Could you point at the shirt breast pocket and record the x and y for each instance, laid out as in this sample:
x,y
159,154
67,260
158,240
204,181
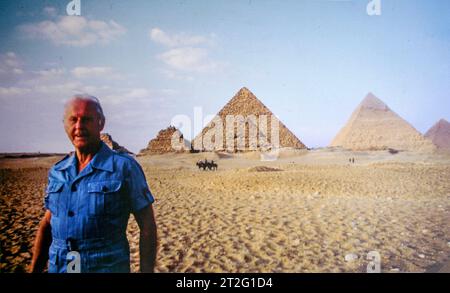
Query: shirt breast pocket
x,y
104,197
52,197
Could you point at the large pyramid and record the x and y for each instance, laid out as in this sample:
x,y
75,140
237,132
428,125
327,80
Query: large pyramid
x,y
107,139
168,140
257,120
440,134
373,126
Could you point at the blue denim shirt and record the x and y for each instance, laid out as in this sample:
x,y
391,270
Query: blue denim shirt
x,y
90,210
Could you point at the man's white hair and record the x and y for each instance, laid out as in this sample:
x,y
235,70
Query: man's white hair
x,y
86,97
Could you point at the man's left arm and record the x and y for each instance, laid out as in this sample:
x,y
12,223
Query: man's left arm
x,y
148,239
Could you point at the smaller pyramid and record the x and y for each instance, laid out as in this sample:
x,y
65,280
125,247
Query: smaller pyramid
x,y
440,134
374,126
107,139
168,140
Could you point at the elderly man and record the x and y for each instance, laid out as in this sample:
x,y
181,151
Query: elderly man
x,y
90,196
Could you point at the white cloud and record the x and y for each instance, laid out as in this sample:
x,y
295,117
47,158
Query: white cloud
x,y
67,88
92,89
168,92
60,83
74,31
189,59
33,78
138,93
140,98
37,97
35,100
186,54
96,71
128,95
50,73
10,64
172,74
12,91
180,40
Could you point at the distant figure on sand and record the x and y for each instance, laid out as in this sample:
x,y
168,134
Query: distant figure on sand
x,y
201,165
213,165
89,198
205,164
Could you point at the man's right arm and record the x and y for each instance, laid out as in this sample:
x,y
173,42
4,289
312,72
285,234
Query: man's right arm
x,y
41,245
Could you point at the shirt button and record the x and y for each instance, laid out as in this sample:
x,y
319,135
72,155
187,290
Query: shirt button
x,y
71,214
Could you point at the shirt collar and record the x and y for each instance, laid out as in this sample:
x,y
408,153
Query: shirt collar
x,y
102,160
68,161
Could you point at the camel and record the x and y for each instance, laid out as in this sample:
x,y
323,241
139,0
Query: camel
x,y
205,164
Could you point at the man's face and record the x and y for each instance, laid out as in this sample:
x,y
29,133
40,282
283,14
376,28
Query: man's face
x,y
83,124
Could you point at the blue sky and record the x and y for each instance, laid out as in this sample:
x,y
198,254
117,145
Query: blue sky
x,y
311,62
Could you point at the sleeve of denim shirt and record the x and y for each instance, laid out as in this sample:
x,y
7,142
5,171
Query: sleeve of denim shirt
x,y
46,197
140,195
49,179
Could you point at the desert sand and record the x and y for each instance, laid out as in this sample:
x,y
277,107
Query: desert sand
x,y
308,211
